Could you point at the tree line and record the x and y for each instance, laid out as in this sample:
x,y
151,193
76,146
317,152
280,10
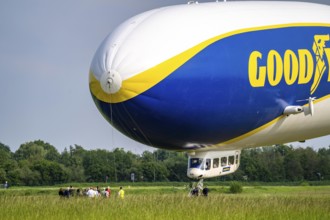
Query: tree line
x,y
39,163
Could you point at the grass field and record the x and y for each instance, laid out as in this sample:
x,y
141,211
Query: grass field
x,y
168,202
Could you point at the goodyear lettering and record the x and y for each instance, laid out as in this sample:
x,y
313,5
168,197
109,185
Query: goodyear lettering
x,y
294,67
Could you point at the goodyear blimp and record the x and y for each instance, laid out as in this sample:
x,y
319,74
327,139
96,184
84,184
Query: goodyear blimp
x,y
214,78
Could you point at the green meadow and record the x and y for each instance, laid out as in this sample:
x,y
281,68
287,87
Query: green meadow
x,y
170,202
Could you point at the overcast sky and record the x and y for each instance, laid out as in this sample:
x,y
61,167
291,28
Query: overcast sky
x,y
46,48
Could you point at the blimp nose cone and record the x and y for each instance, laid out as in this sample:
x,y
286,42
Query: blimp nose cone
x,y
111,82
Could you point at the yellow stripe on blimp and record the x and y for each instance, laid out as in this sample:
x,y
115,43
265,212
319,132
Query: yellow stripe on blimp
x,y
145,80
265,126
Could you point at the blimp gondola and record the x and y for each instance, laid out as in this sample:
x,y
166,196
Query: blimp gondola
x,y
221,77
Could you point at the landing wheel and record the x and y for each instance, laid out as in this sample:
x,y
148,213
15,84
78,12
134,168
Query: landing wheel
x,y
196,188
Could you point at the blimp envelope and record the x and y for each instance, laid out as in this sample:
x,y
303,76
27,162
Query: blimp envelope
x,y
220,75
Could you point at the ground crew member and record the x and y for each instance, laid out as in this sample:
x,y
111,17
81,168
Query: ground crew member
x,y
121,193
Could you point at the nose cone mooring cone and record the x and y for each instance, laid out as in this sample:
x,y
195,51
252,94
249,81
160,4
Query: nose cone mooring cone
x,y
111,82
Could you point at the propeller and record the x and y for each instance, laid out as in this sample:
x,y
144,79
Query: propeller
x,y
310,103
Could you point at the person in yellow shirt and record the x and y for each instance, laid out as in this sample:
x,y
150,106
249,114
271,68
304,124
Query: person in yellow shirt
x,y
121,193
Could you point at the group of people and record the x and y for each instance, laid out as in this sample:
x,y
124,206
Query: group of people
x,y
90,192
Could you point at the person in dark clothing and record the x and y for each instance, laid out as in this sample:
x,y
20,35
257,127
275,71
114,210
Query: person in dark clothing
x,y
61,192
67,193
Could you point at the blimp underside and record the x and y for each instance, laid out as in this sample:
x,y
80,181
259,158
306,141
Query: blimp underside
x,y
217,78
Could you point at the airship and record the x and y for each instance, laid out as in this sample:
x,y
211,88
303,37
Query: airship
x,y
214,78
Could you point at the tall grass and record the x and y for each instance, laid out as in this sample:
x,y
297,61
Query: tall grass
x,y
256,203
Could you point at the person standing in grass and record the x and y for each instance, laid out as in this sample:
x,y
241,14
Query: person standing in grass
x,y
121,193
109,191
61,192
91,193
